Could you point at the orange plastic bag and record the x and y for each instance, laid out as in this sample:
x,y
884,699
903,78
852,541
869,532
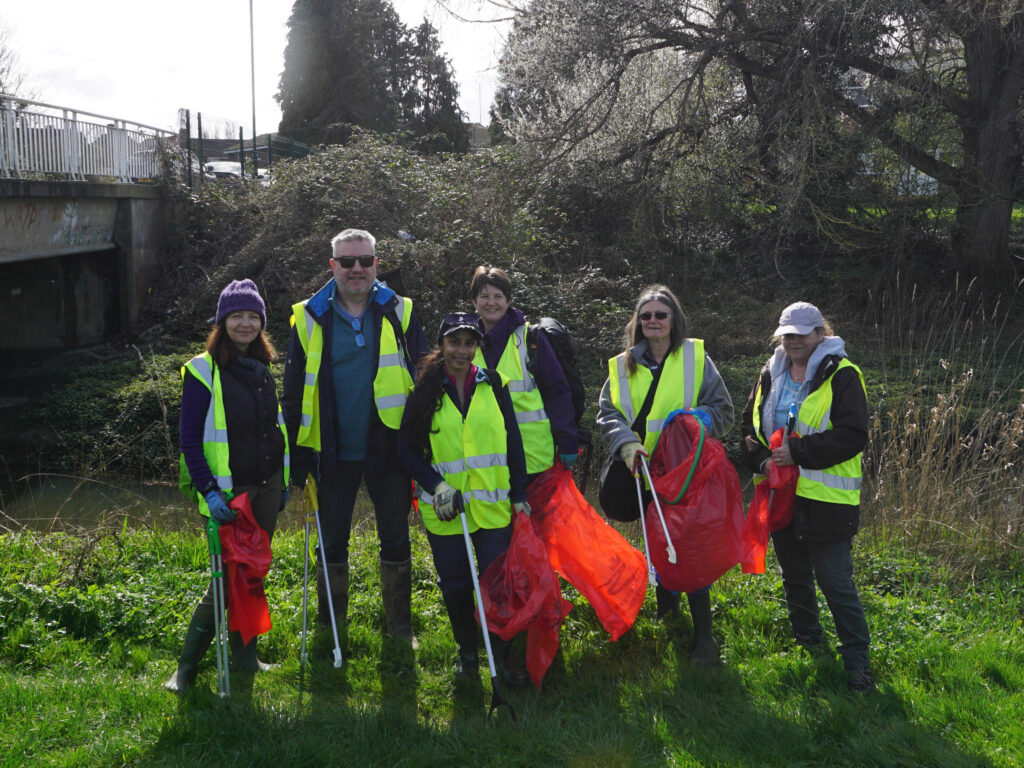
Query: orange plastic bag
x,y
702,503
520,592
247,558
768,512
587,552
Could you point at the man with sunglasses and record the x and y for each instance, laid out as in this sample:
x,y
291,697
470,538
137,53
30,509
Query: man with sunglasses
x,y
351,365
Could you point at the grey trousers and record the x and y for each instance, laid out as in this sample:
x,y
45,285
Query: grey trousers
x,y
831,564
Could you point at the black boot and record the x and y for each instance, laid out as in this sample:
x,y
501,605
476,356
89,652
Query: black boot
x,y
511,674
668,601
460,608
396,591
337,576
197,639
243,657
705,649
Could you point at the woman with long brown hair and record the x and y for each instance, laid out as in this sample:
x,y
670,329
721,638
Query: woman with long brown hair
x,y
232,441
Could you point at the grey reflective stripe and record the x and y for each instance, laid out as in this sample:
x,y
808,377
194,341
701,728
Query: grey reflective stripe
x,y
390,360
528,383
400,310
390,401
310,323
809,429
306,420
655,425
224,482
830,480
493,497
689,363
449,467
482,461
280,423
527,417
624,396
487,460
517,385
201,366
210,432
310,379
425,497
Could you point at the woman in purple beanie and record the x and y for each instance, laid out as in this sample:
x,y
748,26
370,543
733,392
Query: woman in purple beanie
x,y
233,441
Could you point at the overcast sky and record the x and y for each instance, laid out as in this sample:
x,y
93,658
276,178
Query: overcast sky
x,y
141,60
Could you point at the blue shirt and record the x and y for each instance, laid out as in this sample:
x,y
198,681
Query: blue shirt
x,y
353,348
791,392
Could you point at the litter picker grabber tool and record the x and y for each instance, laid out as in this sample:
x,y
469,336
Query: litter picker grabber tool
x,y
311,502
652,578
497,699
308,514
790,423
669,547
220,625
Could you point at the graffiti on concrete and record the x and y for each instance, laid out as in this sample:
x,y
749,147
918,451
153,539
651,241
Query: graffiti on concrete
x,y
21,216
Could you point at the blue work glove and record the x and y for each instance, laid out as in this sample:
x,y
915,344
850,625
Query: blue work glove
x,y
284,499
219,509
702,416
568,459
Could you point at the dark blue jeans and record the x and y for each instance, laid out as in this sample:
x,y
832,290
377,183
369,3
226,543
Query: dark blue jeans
x,y
831,564
452,561
391,495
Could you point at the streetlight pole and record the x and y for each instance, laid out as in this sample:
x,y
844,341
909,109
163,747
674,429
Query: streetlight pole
x,y
252,70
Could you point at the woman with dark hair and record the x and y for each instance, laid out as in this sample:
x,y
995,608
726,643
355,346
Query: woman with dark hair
x,y
810,372
233,441
540,392
459,435
659,371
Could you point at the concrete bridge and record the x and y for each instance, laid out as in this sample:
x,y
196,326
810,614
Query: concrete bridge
x,y
81,232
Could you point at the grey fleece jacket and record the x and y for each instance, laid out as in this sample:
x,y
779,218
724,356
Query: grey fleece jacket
x,y
713,398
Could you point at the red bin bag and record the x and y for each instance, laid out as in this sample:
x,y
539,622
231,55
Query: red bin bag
x,y
246,554
770,510
587,552
521,591
702,503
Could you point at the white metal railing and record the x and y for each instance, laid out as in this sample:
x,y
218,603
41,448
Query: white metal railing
x,y
38,138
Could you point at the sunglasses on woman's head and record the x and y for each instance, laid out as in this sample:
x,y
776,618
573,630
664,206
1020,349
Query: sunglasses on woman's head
x,y
347,262
645,316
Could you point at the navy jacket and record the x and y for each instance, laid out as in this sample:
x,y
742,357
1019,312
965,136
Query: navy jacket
x,y
380,453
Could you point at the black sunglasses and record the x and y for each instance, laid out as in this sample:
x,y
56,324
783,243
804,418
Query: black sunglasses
x,y
460,318
347,262
645,316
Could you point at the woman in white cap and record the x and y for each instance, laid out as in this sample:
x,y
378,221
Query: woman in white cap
x,y
459,435
232,441
810,371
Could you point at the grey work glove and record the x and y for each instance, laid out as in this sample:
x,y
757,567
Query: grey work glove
x,y
444,502
521,506
218,504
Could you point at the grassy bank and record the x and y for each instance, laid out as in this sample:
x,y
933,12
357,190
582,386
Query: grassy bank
x,y
90,628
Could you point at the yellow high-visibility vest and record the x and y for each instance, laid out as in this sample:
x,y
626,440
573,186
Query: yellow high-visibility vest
x,y
215,433
681,378
838,484
532,418
472,456
391,385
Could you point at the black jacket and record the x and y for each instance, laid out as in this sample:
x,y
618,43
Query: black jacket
x,y
380,450
819,520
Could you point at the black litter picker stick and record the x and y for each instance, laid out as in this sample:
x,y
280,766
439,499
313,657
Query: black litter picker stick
x,y
497,699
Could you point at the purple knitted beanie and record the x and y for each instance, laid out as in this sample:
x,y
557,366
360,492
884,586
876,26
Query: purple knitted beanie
x,y
241,295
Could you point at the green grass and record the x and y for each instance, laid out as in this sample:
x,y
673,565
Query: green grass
x,y
90,629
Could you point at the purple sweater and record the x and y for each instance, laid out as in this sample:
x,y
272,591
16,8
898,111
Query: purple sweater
x,y
554,389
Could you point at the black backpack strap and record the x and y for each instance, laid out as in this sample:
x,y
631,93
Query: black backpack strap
x,y
639,424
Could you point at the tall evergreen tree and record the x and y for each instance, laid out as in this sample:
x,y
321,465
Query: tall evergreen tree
x,y
353,63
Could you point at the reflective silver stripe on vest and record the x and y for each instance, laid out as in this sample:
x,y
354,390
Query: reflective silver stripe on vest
x,y
224,482
202,367
689,366
830,480
492,497
655,425
390,401
310,379
624,396
527,383
310,323
807,429
280,423
306,420
473,462
528,417
400,311
393,359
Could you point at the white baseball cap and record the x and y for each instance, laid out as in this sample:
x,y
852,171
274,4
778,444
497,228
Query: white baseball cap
x,y
800,318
